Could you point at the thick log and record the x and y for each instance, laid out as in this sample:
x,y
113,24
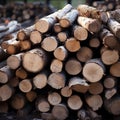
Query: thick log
x,y
109,82
3,107
78,84
74,102
42,105
40,80
56,66
18,101
95,88
14,61
6,92
84,54
92,25
31,96
114,26
109,93
5,74
49,43
114,69
60,53
94,101
64,11
113,105
60,111
24,34
68,19
93,70
54,98
35,37
73,66
72,44
57,80
80,33
34,60
25,85
110,57
66,91
21,73
108,39
94,42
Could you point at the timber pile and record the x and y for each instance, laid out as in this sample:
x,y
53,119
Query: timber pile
x,y
65,66
21,11
107,4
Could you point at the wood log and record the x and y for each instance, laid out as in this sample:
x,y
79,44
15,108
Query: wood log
x,y
72,44
68,19
3,107
14,61
56,66
93,70
114,69
14,82
56,80
95,102
83,115
74,102
73,66
54,98
42,105
60,53
113,105
45,44
60,111
21,73
114,26
95,88
78,84
5,74
31,96
45,24
34,60
109,82
18,101
109,93
57,28
84,54
62,36
94,42
40,80
6,92
47,116
25,85
24,34
25,45
92,25
66,91
108,39
35,37
80,33
110,57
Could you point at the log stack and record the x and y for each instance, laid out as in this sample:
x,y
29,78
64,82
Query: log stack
x,y
66,66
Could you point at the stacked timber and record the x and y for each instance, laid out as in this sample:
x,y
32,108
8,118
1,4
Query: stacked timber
x,y
66,66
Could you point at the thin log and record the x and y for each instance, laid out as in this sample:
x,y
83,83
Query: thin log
x,y
74,102
62,36
57,28
109,93
31,96
66,91
92,25
25,45
94,42
57,80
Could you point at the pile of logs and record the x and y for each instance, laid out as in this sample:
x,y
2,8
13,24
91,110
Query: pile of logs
x,y
21,11
66,66
107,4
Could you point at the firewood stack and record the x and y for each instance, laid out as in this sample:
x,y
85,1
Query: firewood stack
x,y
65,66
